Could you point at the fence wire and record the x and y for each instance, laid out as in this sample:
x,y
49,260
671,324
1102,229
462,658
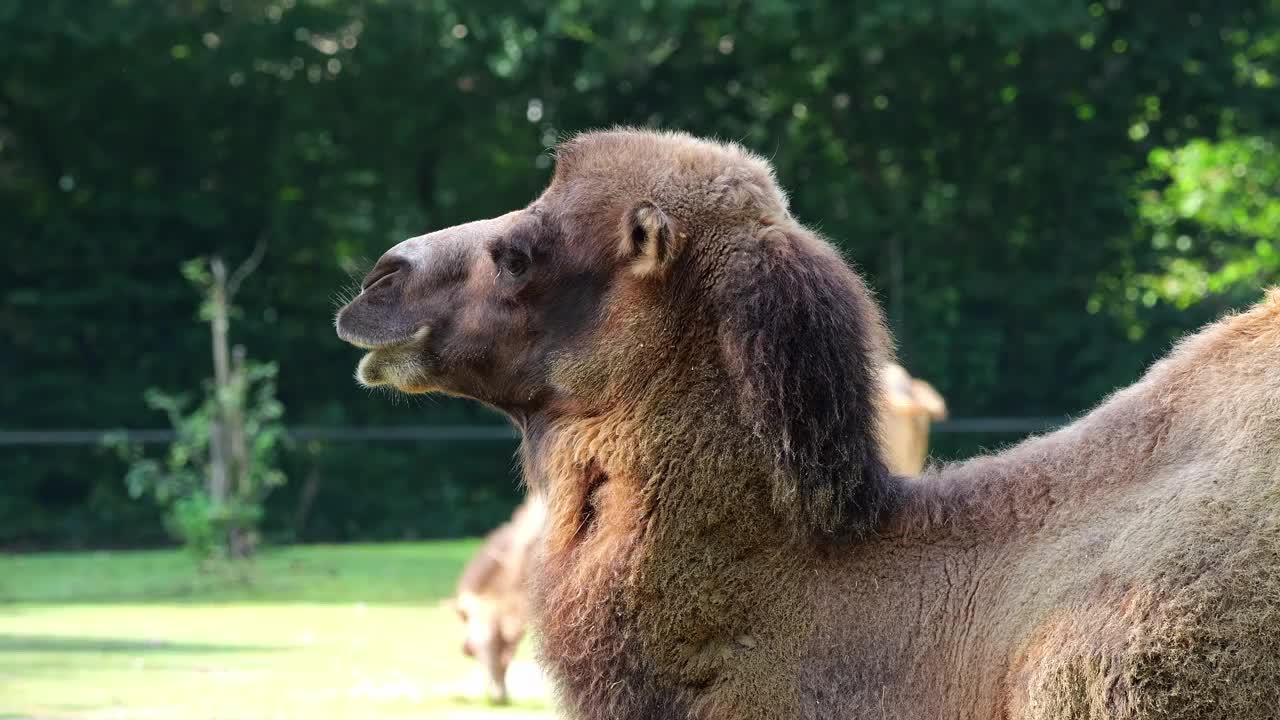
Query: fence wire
x,y
447,433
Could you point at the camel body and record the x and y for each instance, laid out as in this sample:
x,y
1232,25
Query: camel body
x,y
695,375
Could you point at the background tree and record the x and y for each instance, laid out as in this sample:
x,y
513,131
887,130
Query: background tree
x,y
997,168
223,462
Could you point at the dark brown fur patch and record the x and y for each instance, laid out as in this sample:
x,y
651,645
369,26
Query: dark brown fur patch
x,y
793,317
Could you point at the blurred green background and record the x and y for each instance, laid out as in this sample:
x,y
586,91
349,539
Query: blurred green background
x,y
1044,195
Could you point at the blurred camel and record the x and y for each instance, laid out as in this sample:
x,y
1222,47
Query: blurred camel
x,y
492,600
908,405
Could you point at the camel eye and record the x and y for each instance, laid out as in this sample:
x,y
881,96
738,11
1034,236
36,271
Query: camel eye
x,y
513,262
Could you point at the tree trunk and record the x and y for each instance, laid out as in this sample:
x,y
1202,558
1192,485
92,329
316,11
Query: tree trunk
x,y
238,452
219,472
230,483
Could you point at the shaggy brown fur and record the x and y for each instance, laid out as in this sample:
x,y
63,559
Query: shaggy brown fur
x,y
693,371
907,407
492,595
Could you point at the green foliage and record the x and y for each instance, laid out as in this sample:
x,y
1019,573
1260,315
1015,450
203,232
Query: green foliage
x,y
1216,220
996,152
179,481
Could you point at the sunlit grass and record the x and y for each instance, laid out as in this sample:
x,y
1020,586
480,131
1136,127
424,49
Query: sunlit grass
x,y
315,632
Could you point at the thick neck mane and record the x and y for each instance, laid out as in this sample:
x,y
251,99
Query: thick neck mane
x,y
657,534
1215,398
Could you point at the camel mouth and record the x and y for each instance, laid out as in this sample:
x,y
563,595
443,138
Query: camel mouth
x,y
371,371
403,364
368,329
364,341
366,344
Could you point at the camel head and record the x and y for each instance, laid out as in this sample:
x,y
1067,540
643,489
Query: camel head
x,y
654,264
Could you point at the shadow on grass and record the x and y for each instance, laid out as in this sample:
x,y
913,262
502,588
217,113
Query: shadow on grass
x,y
71,644
515,706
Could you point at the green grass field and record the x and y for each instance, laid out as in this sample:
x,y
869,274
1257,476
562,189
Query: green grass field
x,y
317,632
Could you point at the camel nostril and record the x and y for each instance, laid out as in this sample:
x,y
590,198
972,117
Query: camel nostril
x,y
385,268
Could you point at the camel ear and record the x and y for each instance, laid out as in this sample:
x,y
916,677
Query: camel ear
x,y
929,399
802,340
649,239
897,388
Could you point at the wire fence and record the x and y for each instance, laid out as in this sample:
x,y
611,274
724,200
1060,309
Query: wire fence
x,y
449,433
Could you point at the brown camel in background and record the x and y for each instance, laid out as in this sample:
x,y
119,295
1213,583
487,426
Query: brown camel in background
x,y
492,596
907,407
695,376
